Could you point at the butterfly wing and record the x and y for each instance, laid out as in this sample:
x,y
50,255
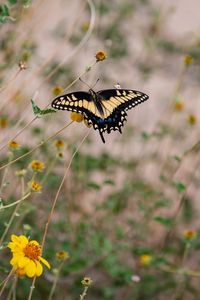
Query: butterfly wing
x,y
115,102
77,102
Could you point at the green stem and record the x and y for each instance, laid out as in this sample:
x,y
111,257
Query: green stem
x,y
55,281
82,296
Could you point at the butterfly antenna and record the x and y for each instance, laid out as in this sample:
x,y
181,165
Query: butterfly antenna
x,y
84,82
95,83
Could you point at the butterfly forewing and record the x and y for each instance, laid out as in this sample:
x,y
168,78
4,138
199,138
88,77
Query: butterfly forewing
x,y
77,102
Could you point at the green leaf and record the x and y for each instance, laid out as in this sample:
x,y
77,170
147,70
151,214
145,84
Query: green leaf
x,y
12,2
167,222
93,185
26,3
180,187
40,112
4,13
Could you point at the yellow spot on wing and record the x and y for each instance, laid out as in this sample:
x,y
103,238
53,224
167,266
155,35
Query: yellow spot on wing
x,y
115,100
118,93
73,97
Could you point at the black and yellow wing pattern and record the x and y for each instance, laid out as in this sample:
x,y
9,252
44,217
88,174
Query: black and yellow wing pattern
x,y
105,110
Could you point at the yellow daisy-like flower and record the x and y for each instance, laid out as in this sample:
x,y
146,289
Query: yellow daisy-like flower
x,y
35,186
188,60
87,281
62,255
190,234
59,144
179,105
27,257
13,145
3,122
76,117
145,260
192,120
101,55
37,166
57,90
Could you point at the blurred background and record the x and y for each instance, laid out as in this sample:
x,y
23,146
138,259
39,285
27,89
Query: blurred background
x,y
128,213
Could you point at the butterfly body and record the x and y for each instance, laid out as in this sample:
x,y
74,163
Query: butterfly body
x,y
105,110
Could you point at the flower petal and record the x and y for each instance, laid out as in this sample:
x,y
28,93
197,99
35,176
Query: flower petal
x,y
45,262
30,269
23,261
39,268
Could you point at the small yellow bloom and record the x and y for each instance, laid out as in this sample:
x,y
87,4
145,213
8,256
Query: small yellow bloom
x,y
3,122
27,256
87,281
188,60
57,90
179,105
13,145
87,124
37,166
60,155
101,55
35,186
62,255
192,120
190,234
85,26
59,144
76,117
145,260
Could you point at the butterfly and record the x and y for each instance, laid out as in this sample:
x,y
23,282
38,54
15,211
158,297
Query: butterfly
x,y
105,110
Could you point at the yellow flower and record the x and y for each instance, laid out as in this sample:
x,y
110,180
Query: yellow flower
x,y
62,255
13,145
190,234
192,120
35,186
101,55
87,124
179,105
3,122
37,166
145,260
59,144
27,256
188,60
87,281
57,90
76,117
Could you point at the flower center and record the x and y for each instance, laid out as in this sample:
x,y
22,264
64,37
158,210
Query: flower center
x,y
32,251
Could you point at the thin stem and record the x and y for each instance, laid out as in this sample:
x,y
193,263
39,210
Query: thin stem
x,y
16,202
37,146
5,173
11,80
55,281
13,290
82,296
4,283
54,204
